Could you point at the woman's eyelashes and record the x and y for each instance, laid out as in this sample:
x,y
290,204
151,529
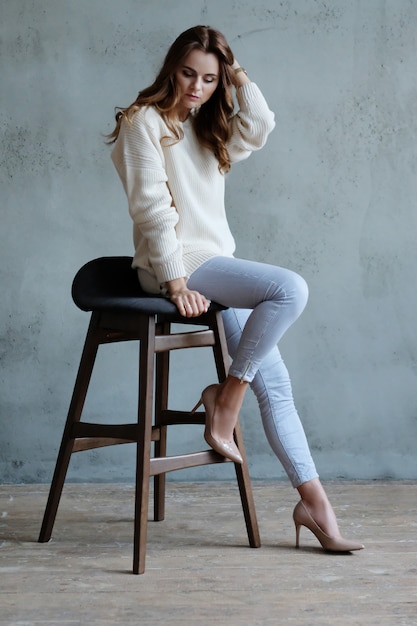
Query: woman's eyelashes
x,y
207,79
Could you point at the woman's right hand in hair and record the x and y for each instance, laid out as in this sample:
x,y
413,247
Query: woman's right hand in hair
x,y
189,303
239,78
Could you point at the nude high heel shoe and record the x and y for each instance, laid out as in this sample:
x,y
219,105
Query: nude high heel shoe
x,y
302,517
227,449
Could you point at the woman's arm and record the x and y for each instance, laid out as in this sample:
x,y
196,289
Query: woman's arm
x,y
139,161
253,122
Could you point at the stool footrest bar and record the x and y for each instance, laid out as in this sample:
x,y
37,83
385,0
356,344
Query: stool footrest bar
x,y
161,465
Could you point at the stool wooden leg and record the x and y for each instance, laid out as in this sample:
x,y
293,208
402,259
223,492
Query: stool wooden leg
x,y
246,494
221,357
74,414
161,404
144,441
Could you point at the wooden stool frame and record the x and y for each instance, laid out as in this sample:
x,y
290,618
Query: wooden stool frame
x,y
155,343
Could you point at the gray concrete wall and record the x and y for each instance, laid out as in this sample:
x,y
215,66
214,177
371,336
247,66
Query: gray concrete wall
x,y
332,195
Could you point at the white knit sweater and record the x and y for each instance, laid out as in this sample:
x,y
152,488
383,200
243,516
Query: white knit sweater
x,y
175,190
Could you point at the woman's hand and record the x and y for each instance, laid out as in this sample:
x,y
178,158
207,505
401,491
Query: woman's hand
x,y
239,75
189,303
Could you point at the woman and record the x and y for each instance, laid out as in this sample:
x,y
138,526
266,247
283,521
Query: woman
x,y
173,147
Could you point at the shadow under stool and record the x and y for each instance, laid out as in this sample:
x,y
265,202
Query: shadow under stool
x,y
121,311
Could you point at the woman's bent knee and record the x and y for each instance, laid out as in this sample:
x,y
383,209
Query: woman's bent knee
x,y
293,290
301,288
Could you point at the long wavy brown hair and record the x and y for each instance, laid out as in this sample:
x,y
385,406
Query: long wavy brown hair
x,y
211,122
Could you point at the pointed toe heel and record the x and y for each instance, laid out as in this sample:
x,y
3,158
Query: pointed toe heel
x,y
197,406
227,449
302,517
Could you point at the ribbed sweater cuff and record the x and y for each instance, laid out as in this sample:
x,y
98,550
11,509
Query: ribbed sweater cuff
x,y
170,271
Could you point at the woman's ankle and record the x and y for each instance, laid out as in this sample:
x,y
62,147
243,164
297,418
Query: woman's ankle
x,y
231,393
315,498
228,402
312,492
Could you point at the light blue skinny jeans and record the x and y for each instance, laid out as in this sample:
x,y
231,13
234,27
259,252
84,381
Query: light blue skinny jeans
x,y
263,302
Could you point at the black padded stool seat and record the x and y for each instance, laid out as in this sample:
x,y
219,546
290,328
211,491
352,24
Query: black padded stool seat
x,y
122,311
110,284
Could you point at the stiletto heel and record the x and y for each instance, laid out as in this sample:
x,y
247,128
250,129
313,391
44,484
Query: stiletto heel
x,y
297,535
227,449
199,403
302,517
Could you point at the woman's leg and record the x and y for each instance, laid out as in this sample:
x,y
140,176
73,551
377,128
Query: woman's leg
x,y
276,296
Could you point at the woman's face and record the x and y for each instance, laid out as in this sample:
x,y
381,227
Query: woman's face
x,y
197,79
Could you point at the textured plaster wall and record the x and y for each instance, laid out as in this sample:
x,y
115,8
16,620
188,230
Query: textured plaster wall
x,y
332,195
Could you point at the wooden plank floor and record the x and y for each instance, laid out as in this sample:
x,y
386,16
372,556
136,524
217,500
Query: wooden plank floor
x,y
199,568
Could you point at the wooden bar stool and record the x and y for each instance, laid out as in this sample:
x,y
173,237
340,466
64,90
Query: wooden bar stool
x,y
121,311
